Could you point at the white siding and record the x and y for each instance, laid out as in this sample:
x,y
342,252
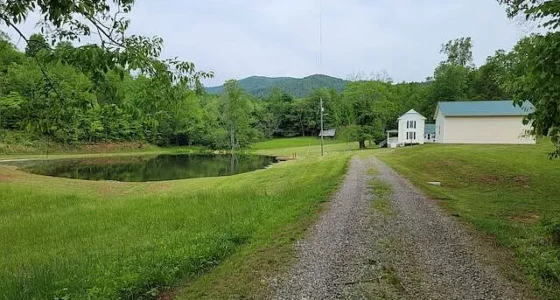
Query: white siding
x,y
440,127
483,130
419,130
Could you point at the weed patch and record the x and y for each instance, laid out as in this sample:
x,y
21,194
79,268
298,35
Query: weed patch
x,y
382,197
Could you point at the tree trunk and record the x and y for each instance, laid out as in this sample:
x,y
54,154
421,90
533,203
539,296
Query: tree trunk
x,y
362,144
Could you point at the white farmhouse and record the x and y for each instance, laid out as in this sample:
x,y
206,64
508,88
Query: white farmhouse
x,y
411,130
482,122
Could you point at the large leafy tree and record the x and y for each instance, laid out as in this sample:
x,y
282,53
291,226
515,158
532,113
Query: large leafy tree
x,y
458,51
372,108
98,100
485,83
539,58
235,114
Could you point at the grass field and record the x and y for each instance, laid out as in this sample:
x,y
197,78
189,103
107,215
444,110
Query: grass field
x,y
509,192
293,142
74,239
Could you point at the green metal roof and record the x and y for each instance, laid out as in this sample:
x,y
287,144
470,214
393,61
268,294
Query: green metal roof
x,y
484,108
430,128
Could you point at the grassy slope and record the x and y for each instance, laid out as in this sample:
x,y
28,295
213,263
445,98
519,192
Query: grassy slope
x,y
510,192
62,237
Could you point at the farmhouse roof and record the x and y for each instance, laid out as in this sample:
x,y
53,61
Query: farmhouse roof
x,y
411,113
430,128
483,108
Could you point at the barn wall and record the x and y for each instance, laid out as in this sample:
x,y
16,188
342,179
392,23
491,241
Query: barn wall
x,y
486,130
440,127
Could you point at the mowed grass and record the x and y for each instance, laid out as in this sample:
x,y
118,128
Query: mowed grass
x,y
293,142
209,238
510,192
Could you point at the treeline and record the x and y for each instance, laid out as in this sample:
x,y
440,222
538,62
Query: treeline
x,y
59,92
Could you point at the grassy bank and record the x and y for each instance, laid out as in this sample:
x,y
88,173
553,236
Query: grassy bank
x,y
510,192
98,240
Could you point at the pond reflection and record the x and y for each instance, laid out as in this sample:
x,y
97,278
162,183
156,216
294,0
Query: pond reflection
x,y
148,168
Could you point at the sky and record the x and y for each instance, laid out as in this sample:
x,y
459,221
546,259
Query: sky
x,y
240,38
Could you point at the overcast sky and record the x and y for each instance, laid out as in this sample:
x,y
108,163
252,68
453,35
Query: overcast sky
x,y
241,38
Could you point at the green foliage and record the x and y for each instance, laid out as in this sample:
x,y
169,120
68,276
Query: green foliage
x,y
36,44
539,83
545,11
65,95
105,20
372,107
535,75
459,52
235,116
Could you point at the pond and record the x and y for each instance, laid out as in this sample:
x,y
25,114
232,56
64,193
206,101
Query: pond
x,y
148,168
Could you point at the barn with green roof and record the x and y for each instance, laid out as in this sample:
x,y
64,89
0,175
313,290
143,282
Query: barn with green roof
x,y
482,122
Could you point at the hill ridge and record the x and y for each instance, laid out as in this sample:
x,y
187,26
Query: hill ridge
x,y
261,86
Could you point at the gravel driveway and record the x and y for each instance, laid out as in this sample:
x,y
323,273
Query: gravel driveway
x,y
407,248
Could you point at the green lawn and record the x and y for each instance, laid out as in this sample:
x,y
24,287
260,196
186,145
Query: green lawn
x,y
510,192
108,240
293,142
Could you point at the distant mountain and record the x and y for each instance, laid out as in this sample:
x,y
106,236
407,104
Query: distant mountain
x,y
297,87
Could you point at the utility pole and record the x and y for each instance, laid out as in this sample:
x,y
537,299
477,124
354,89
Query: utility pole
x,y
322,132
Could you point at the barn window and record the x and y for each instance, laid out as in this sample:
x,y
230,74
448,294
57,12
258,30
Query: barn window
x,y
414,133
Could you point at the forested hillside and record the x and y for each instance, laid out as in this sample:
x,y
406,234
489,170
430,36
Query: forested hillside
x,y
59,93
259,86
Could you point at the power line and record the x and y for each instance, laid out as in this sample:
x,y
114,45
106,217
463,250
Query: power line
x,y
320,63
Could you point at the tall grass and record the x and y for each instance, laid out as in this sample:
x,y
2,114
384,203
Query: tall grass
x,y
59,242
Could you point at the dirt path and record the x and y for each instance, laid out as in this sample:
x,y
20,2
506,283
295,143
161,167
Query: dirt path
x,y
401,246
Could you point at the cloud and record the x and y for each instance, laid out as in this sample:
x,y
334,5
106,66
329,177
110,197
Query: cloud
x,y
241,38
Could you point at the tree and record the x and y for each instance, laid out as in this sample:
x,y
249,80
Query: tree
x,y
235,111
35,44
372,107
450,83
458,51
104,19
548,12
485,83
539,57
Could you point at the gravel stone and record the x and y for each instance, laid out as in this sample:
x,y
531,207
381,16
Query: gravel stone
x,y
416,252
